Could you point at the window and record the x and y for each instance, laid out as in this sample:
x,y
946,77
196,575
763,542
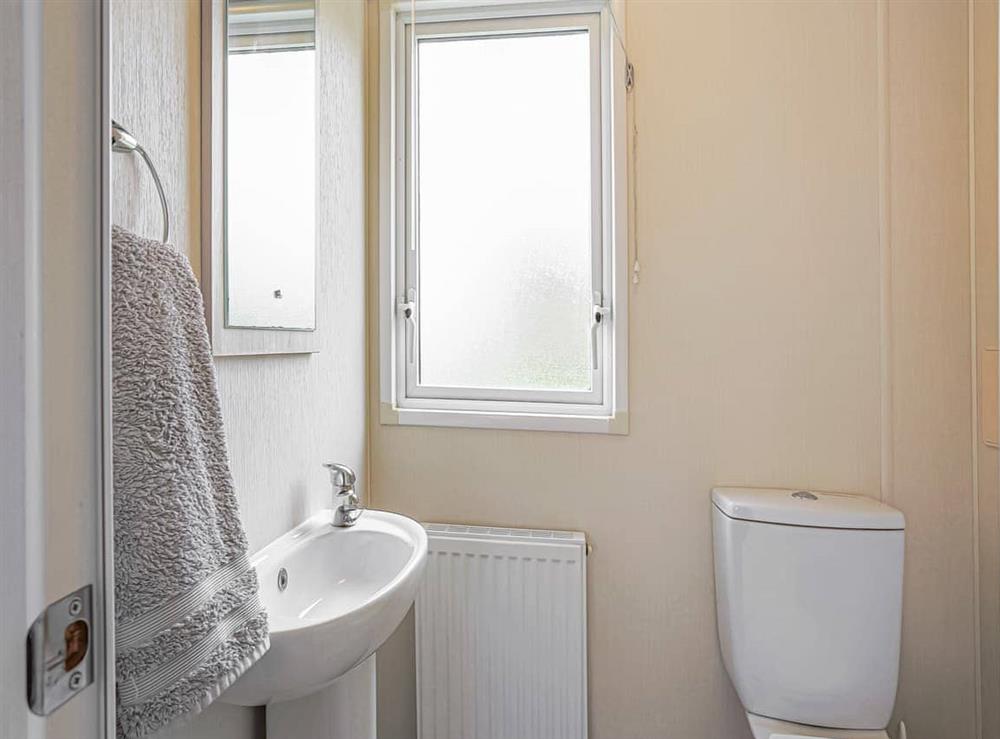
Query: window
x,y
503,253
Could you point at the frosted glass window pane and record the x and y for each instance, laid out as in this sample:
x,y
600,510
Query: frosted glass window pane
x,y
270,190
504,197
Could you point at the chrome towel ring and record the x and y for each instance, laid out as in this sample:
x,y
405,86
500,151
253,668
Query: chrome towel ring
x,y
124,142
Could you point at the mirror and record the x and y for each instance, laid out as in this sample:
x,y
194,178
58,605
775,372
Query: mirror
x,y
270,165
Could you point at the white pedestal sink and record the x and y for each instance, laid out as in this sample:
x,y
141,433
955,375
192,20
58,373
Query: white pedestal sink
x,y
343,592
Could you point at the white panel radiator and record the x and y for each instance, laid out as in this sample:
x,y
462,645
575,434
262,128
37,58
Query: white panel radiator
x,y
501,632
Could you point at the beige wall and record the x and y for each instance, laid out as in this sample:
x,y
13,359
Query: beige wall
x,y
757,336
284,415
804,319
931,360
985,242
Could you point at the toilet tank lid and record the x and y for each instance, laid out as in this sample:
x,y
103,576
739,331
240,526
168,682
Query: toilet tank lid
x,y
807,508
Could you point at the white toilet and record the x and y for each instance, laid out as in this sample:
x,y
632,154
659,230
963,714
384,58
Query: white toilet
x,y
809,594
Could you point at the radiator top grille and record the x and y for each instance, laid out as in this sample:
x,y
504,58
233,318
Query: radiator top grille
x,y
494,532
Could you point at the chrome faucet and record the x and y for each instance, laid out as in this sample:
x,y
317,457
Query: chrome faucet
x,y
347,508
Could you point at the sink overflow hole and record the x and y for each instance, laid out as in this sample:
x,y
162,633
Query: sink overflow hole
x,y
282,579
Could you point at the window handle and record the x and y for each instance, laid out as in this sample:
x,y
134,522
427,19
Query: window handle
x,y
405,308
600,313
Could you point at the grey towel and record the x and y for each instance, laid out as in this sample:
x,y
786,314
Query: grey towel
x,y
188,618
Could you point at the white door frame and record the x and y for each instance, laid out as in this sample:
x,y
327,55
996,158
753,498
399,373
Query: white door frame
x,y
19,555
55,522
105,512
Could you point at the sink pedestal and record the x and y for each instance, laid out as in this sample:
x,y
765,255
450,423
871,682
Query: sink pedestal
x,y
345,710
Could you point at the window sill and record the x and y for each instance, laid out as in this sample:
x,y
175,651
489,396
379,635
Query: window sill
x,y
615,425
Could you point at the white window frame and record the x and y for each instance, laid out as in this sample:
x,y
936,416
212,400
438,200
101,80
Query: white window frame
x,y
603,409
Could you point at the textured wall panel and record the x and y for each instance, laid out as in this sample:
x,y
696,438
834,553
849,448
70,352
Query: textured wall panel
x,y
284,415
155,70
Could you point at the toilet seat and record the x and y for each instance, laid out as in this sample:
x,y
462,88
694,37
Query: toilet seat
x,y
769,728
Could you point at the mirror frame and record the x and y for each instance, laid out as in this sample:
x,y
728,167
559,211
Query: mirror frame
x,y
227,341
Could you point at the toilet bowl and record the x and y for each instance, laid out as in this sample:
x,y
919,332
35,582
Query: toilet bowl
x,y
768,728
809,595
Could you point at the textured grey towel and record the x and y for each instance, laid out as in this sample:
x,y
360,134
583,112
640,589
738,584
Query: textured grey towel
x,y
188,618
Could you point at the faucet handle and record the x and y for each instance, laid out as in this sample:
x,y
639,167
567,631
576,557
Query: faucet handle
x,y
349,509
342,477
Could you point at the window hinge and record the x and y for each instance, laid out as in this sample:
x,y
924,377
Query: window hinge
x,y
629,76
406,306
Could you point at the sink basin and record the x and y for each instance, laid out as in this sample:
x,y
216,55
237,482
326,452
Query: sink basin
x,y
347,590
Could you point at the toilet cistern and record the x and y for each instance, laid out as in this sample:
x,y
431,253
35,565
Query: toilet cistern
x,y
809,595
347,507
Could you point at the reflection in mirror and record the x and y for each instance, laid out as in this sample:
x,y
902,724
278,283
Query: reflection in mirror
x,y
270,247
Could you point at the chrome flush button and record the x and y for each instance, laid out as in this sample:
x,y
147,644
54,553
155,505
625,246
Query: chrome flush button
x,y
804,495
